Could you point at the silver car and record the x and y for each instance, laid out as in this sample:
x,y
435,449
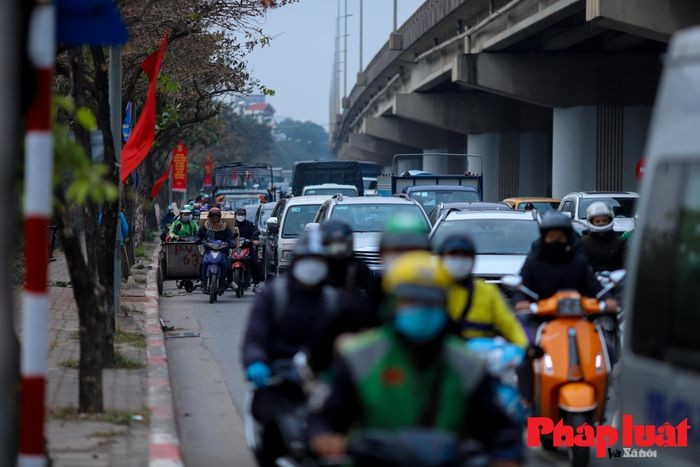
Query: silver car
x,y
503,239
623,204
367,217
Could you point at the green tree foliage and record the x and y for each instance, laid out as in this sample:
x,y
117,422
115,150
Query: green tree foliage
x,y
298,141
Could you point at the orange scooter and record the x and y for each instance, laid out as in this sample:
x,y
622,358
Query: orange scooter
x,y
571,378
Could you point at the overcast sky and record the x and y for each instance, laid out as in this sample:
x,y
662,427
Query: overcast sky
x,y
299,61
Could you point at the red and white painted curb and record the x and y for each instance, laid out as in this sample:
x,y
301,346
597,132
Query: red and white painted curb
x,y
164,449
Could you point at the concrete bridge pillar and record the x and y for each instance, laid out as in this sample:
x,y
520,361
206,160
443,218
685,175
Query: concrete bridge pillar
x,y
574,135
635,127
487,145
535,168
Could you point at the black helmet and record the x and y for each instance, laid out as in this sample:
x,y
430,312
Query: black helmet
x,y
241,212
337,239
457,242
309,244
555,221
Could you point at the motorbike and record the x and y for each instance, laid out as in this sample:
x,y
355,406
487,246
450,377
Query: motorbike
x,y
214,256
502,361
291,418
239,256
413,447
612,326
572,377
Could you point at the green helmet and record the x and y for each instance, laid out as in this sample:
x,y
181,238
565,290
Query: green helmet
x,y
186,208
405,232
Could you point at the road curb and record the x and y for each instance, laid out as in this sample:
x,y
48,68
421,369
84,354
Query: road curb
x,y
164,445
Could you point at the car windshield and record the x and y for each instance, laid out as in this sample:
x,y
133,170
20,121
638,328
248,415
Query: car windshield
x,y
230,204
296,219
430,199
541,206
330,191
492,236
373,217
369,183
622,207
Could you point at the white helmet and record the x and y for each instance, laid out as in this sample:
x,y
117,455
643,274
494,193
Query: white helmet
x,y
599,209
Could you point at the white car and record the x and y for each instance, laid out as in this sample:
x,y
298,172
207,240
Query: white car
x,y
623,204
503,239
367,217
287,228
330,189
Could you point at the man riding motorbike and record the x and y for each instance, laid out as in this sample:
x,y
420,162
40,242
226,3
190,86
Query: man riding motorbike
x,y
477,308
286,318
346,271
604,247
412,373
247,229
214,229
557,261
184,226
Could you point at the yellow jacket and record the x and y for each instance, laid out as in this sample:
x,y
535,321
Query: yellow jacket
x,y
489,315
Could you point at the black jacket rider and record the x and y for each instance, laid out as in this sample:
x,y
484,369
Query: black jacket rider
x,y
605,251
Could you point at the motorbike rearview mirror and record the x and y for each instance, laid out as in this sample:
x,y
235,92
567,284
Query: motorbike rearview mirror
x,y
512,281
618,276
312,226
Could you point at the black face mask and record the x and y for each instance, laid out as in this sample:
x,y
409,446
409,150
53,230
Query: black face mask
x,y
556,251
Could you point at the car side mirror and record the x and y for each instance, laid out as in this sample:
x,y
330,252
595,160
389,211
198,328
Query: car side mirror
x,y
272,225
567,214
311,226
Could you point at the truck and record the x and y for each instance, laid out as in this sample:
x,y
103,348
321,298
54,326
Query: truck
x,y
320,172
410,170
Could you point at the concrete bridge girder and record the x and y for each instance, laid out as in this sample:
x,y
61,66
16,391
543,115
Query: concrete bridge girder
x,y
471,112
349,152
650,19
401,131
555,80
383,149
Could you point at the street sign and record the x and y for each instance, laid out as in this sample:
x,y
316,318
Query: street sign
x,y
208,173
180,167
91,22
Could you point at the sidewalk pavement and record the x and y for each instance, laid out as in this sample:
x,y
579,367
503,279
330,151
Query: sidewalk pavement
x,y
120,436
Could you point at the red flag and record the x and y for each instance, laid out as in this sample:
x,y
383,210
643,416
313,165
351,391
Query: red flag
x,y
159,183
208,172
144,134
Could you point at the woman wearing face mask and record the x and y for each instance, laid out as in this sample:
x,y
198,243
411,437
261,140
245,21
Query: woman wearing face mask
x,y
287,317
476,308
557,261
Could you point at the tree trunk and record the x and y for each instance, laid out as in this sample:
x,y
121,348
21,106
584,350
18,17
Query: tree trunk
x,y
110,209
91,317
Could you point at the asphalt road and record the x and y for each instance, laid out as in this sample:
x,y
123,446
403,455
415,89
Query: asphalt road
x,y
209,386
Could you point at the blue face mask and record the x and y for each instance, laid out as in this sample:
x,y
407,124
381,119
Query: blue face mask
x,y
420,323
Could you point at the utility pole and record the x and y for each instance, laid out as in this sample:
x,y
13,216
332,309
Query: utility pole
x,y
115,110
396,16
345,52
361,33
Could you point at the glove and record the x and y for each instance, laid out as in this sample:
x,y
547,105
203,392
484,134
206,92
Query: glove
x,y
258,373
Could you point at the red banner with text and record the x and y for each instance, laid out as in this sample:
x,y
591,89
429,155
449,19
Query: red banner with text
x,y
180,167
208,173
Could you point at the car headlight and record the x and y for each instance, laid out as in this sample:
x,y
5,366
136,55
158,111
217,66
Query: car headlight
x,y
287,255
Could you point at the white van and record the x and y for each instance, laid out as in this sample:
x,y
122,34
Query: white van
x,y
660,372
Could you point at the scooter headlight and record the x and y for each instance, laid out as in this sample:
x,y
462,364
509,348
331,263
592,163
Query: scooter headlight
x,y
599,363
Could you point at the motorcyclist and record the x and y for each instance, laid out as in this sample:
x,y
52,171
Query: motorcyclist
x,y
402,233
184,226
346,271
247,229
286,318
412,372
477,308
214,229
604,247
557,261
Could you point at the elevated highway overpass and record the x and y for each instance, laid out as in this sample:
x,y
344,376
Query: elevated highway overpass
x,y
555,95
